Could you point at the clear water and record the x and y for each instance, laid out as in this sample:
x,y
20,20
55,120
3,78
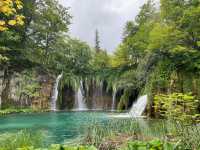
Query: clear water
x,y
58,126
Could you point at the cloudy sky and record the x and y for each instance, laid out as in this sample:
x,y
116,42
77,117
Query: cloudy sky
x,y
108,16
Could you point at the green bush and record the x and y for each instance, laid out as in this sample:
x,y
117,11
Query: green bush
x,y
178,106
152,145
12,141
59,147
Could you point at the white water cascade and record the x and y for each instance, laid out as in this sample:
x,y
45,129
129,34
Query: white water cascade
x,y
114,98
55,93
80,100
138,107
136,110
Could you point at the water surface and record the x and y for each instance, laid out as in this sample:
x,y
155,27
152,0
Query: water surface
x,y
58,126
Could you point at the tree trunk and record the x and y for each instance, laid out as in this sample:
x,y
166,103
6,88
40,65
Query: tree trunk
x,y
6,90
180,81
195,87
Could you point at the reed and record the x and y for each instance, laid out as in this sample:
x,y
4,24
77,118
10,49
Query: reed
x,y
24,138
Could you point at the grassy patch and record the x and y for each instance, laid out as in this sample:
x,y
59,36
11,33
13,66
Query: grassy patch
x,y
117,133
14,111
123,134
12,141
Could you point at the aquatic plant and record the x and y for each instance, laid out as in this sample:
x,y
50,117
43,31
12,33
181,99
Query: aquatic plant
x,y
24,138
168,132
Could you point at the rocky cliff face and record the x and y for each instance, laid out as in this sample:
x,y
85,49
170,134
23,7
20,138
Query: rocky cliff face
x,y
34,90
95,97
26,90
98,97
66,98
43,100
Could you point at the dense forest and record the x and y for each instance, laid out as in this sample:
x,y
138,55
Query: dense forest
x,y
159,55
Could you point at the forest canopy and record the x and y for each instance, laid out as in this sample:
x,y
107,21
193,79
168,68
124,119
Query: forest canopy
x,y
159,52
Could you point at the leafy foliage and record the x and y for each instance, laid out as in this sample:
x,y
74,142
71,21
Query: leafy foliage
x,y
9,14
158,44
20,139
178,106
152,145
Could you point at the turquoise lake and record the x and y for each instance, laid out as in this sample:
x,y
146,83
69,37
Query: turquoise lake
x,y
59,127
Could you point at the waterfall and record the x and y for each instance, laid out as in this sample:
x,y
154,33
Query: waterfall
x,y
139,107
55,93
97,97
80,104
114,98
136,110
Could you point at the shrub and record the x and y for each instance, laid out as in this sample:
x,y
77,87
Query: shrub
x,y
178,106
12,141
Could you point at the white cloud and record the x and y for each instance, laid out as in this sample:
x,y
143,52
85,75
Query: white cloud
x,y
108,16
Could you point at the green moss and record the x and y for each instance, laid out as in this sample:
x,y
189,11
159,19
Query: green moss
x,y
14,111
123,103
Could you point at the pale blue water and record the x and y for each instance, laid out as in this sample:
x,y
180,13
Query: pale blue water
x,y
58,126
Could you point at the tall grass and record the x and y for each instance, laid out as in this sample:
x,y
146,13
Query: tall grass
x,y
24,138
187,137
180,135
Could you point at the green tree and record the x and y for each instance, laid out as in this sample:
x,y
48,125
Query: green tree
x,y
49,24
97,42
147,13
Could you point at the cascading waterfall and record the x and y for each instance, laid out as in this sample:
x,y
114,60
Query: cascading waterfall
x,y
138,107
114,98
136,110
97,95
80,100
55,93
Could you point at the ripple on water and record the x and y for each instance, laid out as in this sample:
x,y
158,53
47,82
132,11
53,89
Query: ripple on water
x,y
58,127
